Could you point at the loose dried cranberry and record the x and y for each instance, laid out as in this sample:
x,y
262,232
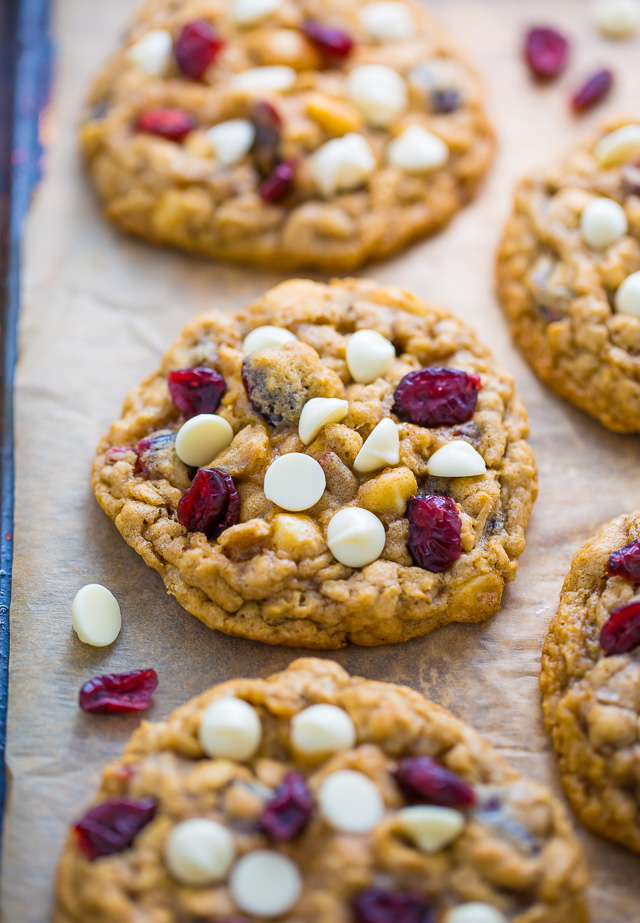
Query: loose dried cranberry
x,y
279,184
266,144
424,781
195,391
546,52
116,453
330,41
631,178
113,693
211,504
289,811
621,632
197,47
436,397
376,905
434,532
445,101
592,91
172,124
112,826
625,562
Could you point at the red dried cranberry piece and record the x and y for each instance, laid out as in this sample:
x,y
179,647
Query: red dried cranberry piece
x,y
329,40
279,184
289,811
266,144
592,91
113,693
197,47
445,101
424,781
434,532
112,826
172,124
195,391
376,905
147,450
436,397
116,453
625,562
621,632
211,504
546,52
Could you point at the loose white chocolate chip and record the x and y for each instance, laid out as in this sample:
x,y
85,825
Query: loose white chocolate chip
x,y
430,826
602,223
230,729
199,852
616,18
379,91
618,146
350,802
96,615
151,53
456,459
246,12
231,140
342,164
201,438
381,449
317,412
294,481
264,337
417,150
355,537
475,913
265,883
386,21
369,355
322,729
627,298
262,79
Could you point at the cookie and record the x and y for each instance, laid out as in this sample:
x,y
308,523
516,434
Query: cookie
x,y
590,682
316,796
290,133
569,276
337,462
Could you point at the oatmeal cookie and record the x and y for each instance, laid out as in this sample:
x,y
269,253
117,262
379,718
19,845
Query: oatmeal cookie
x,y
590,682
319,797
337,462
289,133
569,276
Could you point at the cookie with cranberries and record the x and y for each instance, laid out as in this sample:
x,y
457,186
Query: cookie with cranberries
x,y
313,795
286,133
335,463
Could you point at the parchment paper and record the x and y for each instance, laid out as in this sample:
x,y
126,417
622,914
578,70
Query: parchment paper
x,y
98,309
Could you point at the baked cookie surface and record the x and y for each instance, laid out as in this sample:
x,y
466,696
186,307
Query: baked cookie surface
x,y
363,129
436,826
590,682
568,275
316,530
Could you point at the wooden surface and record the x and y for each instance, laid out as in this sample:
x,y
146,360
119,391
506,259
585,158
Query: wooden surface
x,y
98,310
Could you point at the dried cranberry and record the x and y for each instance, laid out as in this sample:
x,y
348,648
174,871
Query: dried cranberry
x,y
172,124
118,692
289,811
424,781
621,632
434,532
445,101
266,144
211,504
625,562
329,40
631,178
436,397
592,91
197,47
279,184
112,826
116,453
147,451
195,391
376,905
546,52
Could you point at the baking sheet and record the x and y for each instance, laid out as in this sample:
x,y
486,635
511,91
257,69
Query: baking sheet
x,y
98,309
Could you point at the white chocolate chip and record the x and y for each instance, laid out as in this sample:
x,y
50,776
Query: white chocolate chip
x,y
386,21
230,729
628,296
379,91
231,140
417,150
264,337
350,802
264,79
265,883
294,481
430,826
355,537
247,12
381,449
342,164
199,852
618,145
369,355
322,729
317,412
616,18
456,459
201,438
96,615
151,53
475,913
602,223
